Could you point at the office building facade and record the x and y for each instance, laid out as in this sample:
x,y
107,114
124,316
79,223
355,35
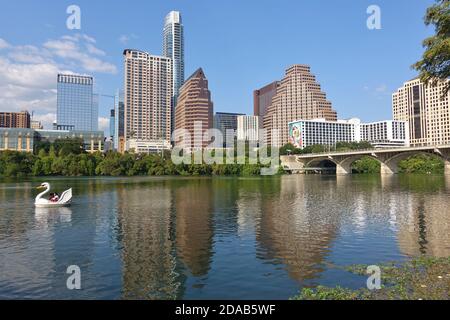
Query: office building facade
x,y
119,125
382,134
15,119
298,96
23,139
248,128
262,99
112,123
194,111
227,124
426,110
147,96
385,134
77,106
36,125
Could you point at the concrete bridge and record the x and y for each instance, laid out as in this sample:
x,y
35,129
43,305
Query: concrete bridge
x,y
389,158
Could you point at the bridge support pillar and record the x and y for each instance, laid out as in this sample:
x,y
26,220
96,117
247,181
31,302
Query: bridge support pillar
x,y
447,167
342,169
389,169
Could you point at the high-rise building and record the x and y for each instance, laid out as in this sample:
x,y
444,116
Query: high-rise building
x,y
37,125
119,125
15,119
147,96
77,106
381,134
224,121
173,47
262,99
248,128
194,110
298,96
426,110
112,123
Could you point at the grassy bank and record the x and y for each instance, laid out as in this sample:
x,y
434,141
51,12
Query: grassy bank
x,y
420,279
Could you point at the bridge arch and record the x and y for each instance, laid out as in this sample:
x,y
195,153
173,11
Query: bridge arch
x,y
318,161
390,163
345,166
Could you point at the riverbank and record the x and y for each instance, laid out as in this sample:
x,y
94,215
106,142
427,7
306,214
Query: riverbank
x,y
423,278
71,163
53,163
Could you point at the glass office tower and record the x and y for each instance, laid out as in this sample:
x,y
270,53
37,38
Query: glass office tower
x,y
77,106
173,47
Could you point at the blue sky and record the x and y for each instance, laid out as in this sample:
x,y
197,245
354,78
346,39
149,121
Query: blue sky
x,y
241,45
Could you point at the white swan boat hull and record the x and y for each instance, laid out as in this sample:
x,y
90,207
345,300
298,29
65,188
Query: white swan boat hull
x,y
64,201
52,205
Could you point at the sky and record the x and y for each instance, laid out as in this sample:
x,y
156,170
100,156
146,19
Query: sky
x,y
241,45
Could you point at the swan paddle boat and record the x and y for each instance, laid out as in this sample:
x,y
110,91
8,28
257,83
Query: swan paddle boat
x,y
64,200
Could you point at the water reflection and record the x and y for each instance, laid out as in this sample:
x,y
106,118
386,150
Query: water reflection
x,y
295,230
45,216
144,216
169,238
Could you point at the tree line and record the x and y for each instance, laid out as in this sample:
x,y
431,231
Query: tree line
x,y
67,158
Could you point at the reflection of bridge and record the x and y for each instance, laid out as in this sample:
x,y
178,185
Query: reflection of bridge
x,y
389,158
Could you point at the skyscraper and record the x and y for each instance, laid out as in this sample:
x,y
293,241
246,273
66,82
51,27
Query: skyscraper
x,y
119,130
224,121
262,99
173,47
248,128
147,96
298,96
77,107
194,105
15,119
112,123
426,110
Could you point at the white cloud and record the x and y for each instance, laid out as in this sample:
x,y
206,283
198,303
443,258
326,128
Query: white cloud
x,y
94,50
28,73
3,44
75,49
103,124
124,39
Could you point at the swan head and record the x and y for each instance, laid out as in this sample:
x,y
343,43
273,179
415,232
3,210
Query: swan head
x,y
44,185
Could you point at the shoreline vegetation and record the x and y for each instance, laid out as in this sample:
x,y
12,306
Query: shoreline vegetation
x,y
67,158
423,278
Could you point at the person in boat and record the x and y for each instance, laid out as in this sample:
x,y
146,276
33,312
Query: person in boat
x,y
55,197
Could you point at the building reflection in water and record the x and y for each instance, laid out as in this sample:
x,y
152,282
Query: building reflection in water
x,y
166,234
425,229
194,207
297,227
147,249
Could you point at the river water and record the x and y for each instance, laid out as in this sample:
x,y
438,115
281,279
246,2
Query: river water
x,y
215,238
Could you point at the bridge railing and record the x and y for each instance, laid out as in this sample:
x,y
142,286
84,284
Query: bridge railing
x,y
416,147
336,152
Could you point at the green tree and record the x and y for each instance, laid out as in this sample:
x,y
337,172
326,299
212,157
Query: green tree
x,y
366,165
435,63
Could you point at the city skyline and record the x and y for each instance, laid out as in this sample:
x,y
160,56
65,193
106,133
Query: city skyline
x,y
366,94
